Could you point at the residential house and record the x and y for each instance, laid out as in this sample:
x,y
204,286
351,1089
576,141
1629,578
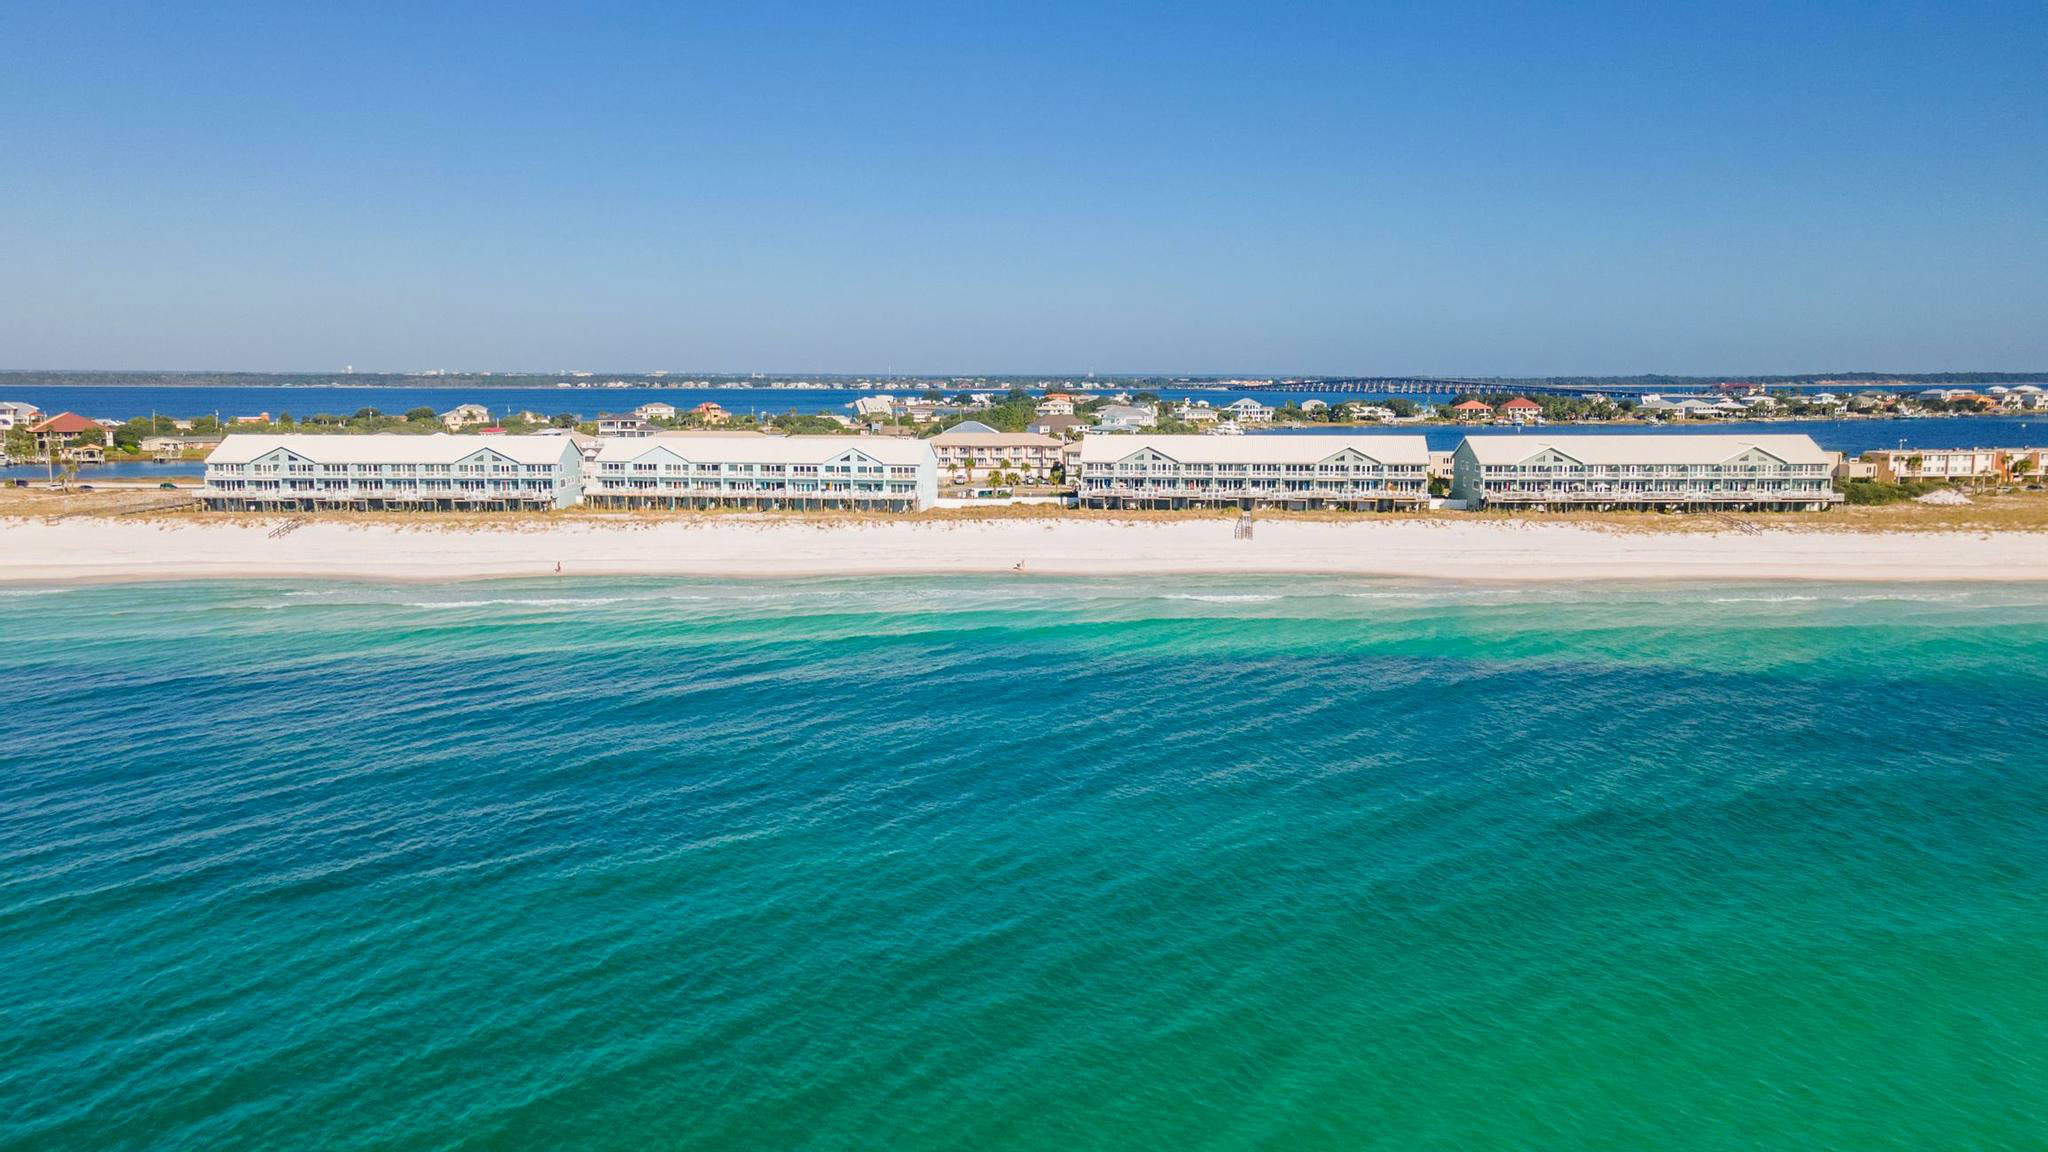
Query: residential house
x,y
178,446
15,414
1248,411
1055,425
1644,470
465,416
259,472
1472,410
1056,405
1357,472
657,410
928,411
711,414
1125,417
1520,410
1195,412
62,431
627,425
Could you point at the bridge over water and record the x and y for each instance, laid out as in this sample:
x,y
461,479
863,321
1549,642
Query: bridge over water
x,y
1436,386
1452,385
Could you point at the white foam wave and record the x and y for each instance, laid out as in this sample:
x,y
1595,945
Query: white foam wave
x,y
1758,599
522,602
1386,595
1222,598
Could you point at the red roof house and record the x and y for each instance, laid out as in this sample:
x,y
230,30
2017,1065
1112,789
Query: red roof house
x,y
64,429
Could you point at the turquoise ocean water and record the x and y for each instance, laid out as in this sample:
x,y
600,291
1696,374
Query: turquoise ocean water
x,y
916,864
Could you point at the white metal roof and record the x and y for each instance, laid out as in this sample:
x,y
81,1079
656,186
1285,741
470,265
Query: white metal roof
x,y
957,439
1305,449
755,449
1646,448
389,448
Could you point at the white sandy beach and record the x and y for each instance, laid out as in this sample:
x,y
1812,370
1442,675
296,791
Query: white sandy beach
x,y
101,549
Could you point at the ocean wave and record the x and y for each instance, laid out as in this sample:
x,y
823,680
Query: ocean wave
x,y
1224,598
522,601
1785,599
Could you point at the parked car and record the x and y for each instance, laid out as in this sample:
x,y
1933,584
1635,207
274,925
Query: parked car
x,y
167,484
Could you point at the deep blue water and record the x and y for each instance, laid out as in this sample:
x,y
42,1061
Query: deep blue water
x,y
1849,436
1852,437
121,402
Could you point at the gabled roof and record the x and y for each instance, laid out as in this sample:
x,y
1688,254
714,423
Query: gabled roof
x,y
388,448
755,449
1472,406
1644,448
65,423
1308,449
1521,403
954,438
966,426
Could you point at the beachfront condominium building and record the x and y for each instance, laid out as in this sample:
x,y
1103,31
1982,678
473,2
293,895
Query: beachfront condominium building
x,y
1643,470
964,451
256,472
1145,471
884,473
1951,465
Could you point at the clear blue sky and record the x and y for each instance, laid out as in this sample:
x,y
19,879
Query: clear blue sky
x,y
1443,188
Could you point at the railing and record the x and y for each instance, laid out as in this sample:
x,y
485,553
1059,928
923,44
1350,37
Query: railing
x,y
1663,495
1347,493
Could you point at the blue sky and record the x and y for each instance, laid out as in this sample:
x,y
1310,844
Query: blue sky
x,y
1445,188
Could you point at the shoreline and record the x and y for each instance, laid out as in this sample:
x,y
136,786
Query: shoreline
x,y
91,550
